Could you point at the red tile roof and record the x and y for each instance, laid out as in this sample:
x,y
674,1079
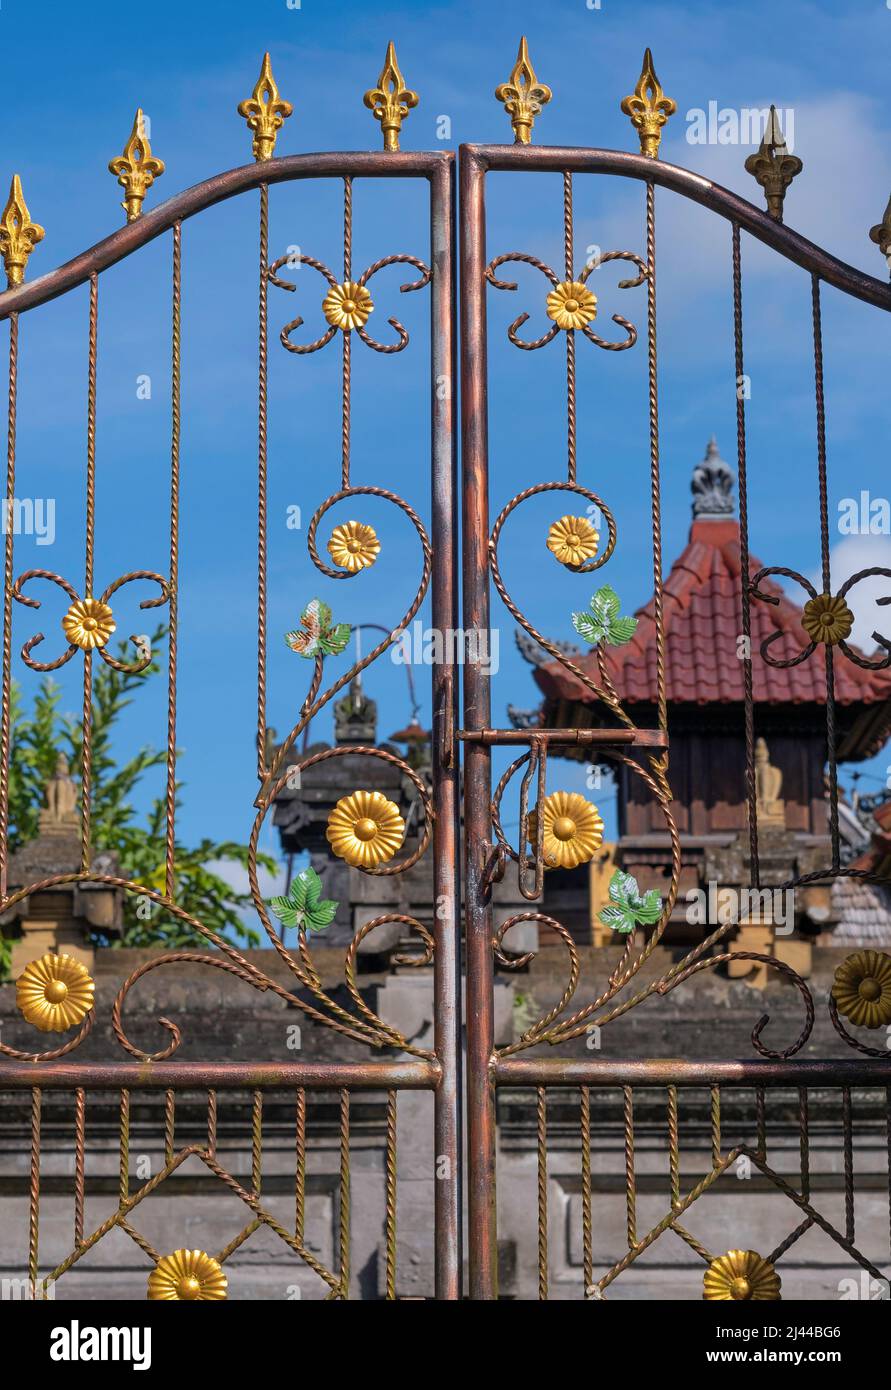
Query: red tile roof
x,y
702,628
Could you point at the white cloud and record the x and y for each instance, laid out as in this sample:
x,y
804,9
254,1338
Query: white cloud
x,y
838,196
236,875
851,555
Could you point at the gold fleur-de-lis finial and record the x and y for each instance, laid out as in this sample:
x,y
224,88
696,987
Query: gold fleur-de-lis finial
x,y
18,234
137,168
649,108
881,234
390,101
773,166
523,96
265,112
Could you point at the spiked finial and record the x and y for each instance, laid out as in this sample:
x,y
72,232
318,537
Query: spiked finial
x,y
265,112
390,101
773,166
18,234
881,234
523,96
136,169
649,108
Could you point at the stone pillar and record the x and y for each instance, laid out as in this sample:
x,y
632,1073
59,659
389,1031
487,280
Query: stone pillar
x,y
60,918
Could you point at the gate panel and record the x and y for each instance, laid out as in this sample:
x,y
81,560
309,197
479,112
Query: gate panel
x,y
344,1013
518,1072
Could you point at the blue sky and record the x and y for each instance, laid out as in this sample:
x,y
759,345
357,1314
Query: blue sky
x,y
66,107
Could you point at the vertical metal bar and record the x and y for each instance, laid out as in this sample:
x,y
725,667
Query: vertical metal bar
x,y
86,768
79,1162
257,1141
212,1123
262,535
716,1126
761,1121
630,1176
391,1195
542,1108
173,578
655,481
91,433
482,1245
804,1141
745,596
538,756
124,1151
568,258
674,1146
9,574
823,493
849,1162
86,765
300,1165
344,1238
448,1141
346,338
34,1203
169,1123
587,1251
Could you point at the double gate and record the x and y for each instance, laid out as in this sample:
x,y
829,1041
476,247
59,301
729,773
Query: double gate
x,y
469,849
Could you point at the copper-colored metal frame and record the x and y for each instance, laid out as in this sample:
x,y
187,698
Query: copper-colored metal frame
x,y
436,1070
487,852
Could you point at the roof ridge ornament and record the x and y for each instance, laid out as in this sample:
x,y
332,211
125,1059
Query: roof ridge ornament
x,y
18,234
881,234
712,484
649,108
390,101
265,111
773,166
137,168
523,95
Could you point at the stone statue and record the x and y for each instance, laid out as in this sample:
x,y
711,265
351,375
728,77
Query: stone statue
x,y
712,484
770,806
355,716
60,810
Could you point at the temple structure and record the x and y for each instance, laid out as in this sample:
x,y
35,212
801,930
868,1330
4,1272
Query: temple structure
x,y
301,818
61,917
705,692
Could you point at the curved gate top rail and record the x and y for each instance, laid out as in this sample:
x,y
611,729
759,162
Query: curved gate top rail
x,y
795,247
434,165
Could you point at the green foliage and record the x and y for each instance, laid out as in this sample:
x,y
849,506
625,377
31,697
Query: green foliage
x,y
139,843
322,636
603,623
304,906
627,908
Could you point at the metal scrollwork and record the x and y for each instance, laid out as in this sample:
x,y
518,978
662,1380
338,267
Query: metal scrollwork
x,y
575,543
576,319
89,623
77,623
347,319
827,619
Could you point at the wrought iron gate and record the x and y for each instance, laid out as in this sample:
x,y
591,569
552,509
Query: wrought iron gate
x,y
57,1081
575,1087
53,1073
